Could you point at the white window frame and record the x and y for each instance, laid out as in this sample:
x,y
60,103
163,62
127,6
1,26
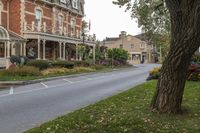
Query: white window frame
x,y
40,22
75,4
132,46
73,26
1,9
141,45
60,21
121,46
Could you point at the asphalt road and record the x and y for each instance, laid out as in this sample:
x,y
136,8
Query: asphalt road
x,y
28,106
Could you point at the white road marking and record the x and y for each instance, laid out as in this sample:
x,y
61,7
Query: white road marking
x,y
68,81
46,86
11,92
39,89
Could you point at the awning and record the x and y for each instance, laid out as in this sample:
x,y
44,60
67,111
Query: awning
x,y
6,35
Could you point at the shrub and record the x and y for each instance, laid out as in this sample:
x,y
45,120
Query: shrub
x,y
195,58
82,63
118,54
194,72
155,71
97,67
55,71
41,64
21,71
64,64
15,59
62,71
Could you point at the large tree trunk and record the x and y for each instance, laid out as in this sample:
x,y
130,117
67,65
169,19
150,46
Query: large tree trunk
x,y
185,40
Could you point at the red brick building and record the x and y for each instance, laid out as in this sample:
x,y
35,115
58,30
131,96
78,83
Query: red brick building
x,y
42,29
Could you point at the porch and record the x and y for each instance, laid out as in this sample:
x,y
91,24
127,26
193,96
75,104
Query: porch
x,y
10,44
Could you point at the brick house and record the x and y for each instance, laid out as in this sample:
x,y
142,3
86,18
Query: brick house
x,y
140,51
41,29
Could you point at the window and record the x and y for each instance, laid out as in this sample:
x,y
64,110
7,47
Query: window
x,y
73,25
143,45
120,46
1,8
75,4
132,46
60,22
38,15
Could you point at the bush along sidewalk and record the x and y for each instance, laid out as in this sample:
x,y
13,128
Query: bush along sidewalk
x,y
193,73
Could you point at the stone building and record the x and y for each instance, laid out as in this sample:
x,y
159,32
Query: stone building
x,y
41,29
139,49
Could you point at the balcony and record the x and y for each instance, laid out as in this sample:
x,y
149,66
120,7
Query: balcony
x,y
43,28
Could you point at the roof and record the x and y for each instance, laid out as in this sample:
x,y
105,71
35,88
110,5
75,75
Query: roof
x,y
112,38
67,4
15,37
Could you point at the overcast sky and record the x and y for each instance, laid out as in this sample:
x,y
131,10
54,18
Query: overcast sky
x,y
107,20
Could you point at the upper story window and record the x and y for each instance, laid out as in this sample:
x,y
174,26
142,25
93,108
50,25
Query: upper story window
x,y
73,25
60,22
132,46
143,45
75,4
1,8
38,17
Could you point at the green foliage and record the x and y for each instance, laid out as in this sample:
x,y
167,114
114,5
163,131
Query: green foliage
x,y
19,60
21,71
118,54
65,71
128,112
81,63
62,63
15,59
196,58
41,64
154,19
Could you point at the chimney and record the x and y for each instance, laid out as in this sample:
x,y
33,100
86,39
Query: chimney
x,y
122,34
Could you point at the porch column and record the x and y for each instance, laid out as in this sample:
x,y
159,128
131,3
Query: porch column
x,y
12,48
60,49
8,49
44,43
64,51
24,49
94,54
77,52
21,49
38,48
5,49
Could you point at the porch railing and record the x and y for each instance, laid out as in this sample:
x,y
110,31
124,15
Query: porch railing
x,y
2,62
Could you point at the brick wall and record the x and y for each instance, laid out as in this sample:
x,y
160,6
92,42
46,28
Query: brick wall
x,y
14,16
4,14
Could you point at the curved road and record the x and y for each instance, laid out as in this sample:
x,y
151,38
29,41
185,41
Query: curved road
x,y
29,106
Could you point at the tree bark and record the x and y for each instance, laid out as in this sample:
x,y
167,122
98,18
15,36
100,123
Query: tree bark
x,y
185,40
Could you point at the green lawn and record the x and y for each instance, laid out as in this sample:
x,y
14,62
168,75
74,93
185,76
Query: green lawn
x,y
129,112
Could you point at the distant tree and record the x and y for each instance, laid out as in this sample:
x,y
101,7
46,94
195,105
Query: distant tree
x,y
184,18
118,54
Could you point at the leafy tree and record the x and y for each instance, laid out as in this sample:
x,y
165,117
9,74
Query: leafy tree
x,y
184,16
118,54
